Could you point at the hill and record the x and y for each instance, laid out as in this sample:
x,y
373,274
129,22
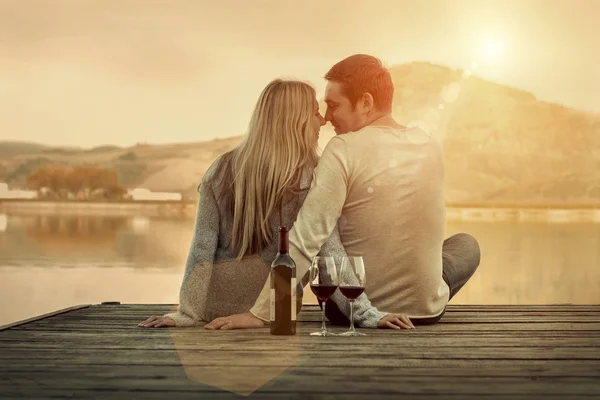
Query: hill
x,y
502,145
173,167
9,149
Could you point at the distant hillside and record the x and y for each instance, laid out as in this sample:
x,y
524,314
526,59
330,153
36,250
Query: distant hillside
x,y
502,145
9,149
173,167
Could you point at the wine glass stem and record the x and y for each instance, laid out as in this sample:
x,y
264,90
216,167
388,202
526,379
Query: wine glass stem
x,y
323,329
351,315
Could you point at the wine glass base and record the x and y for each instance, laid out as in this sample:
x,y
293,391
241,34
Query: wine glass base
x,y
321,333
352,333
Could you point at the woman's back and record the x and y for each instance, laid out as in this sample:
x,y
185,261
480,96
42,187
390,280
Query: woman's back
x,y
216,282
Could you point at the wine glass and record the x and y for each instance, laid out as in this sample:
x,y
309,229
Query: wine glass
x,y
352,284
323,283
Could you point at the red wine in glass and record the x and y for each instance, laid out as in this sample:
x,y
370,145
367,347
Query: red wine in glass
x,y
352,284
323,292
323,283
352,292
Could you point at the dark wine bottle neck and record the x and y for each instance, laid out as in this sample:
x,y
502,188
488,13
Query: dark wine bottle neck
x,y
284,245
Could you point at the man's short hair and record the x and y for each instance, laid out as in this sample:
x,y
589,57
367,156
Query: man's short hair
x,y
360,74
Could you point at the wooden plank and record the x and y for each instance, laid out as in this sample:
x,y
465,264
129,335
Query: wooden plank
x,y
448,317
44,316
197,335
454,313
556,327
34,393
450,307
409,367
193,336
304,330
162,308
313,314
75,340
311,383
320,353
118,320
524,307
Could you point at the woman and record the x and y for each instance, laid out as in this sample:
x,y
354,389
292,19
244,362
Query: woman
x,y
244,196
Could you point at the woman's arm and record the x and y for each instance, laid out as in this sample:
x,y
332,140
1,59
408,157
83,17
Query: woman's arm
x,y
201,255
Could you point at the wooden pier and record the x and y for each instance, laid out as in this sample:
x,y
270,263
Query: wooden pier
x,y
475,352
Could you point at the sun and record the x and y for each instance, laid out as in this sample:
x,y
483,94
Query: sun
x,y
492,49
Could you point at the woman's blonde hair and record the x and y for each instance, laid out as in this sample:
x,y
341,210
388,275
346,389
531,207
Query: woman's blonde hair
x,y
279,147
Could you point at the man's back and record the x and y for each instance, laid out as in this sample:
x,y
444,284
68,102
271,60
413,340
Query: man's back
x,y
393,216
383,188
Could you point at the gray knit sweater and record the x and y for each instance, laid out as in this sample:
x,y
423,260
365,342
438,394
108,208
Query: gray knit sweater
x,y
215,284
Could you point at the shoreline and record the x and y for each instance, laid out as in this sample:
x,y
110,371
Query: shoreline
x,y
150,208
481,205
187,209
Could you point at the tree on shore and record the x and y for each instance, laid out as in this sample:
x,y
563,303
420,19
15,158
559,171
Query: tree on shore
x,y
76,182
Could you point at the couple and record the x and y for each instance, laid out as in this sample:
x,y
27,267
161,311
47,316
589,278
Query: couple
x,y
376,192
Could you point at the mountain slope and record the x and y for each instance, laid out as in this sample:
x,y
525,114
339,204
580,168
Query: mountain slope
x,y
501,144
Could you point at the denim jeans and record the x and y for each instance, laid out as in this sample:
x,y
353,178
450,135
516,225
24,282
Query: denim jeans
x,y
460,259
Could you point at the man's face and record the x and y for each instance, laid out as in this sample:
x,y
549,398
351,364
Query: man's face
x,y
340,111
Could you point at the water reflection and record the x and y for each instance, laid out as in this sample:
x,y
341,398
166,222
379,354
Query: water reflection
x,y
533,263
73,233
50,262
111,241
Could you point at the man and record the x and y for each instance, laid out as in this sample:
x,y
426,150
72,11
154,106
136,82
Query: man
x,y
382,183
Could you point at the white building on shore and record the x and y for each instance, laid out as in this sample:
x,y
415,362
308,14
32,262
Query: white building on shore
x,y
6,193
145,194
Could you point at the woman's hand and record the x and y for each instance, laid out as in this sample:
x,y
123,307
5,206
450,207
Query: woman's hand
x,y
236,321
395,321
157,322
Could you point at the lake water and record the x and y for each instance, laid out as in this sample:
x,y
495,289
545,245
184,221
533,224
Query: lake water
x,y
51,262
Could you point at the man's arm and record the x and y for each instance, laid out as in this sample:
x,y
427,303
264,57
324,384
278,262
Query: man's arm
x,y
317,218
365,315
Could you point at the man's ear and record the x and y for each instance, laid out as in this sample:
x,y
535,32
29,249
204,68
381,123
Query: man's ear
x,y
367,102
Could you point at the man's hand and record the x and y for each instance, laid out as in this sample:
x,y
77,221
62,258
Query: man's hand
x,y
157,322
236,321
395,321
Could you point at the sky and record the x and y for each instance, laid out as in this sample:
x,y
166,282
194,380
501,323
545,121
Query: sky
x,y
96,72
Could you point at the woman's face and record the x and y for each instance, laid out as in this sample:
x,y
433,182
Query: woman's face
x,y
318,120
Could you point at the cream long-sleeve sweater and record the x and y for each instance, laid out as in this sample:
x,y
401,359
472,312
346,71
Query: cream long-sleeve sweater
x,y
383,189
215,284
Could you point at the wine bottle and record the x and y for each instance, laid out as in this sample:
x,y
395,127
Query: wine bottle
x,y
283,289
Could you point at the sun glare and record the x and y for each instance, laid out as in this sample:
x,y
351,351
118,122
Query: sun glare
x,y
492,50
